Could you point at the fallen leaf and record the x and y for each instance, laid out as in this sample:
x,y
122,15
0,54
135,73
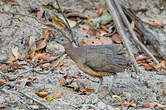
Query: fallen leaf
x,y
148,66
116,38
84,27
41,56
153,23
3,68
87,90
133,24
163,64
88,18
2,83
45,65
58,94
50,98
42,44
11,60
55,21
32,44
62,81
46,35
161,106
42,94
100,10
15,52
129,104
118,98
11,2
150,105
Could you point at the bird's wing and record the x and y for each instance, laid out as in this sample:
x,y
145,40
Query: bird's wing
x,y
106,58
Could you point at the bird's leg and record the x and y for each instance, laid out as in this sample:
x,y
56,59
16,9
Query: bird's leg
x,y
100,83
113,81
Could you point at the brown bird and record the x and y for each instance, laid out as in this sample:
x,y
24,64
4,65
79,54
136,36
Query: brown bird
x,y
96,61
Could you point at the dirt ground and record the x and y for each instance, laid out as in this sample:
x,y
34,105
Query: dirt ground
x,y
15,31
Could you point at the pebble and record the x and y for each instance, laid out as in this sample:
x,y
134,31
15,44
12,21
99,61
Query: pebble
x,y
34,107
2,100
55,49
101,105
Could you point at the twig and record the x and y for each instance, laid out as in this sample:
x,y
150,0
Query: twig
x,y
133,33
121,30
47,106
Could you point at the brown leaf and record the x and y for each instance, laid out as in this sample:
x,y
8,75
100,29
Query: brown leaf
x,y
153,23
87,90
84,27
129,104
163,64
149,105
100,10
3,68
46,35
42,94
161,106
148,66
11,60
58,94
42,44
116,38
62,81
15,52
41,56
11,2
45,65
2,83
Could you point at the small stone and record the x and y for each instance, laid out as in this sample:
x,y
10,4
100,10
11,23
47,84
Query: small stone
x,y
164,92
2,100
101,105
55,49
12,77
34,107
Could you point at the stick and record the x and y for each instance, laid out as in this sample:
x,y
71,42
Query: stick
x,y
121,30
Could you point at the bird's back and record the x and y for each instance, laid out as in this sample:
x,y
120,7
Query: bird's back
x,y
102,58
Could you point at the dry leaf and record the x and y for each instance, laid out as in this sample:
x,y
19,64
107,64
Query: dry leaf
x,y
45,65
153,23
62,81
42,94
88,18
163,64
149,105
46,35
2,83
15,52
58,94
55,21
11,2
148,66
129,104
116,38
42,44
133,24
118,98
87,90
11,60
100,10
3,68
84,27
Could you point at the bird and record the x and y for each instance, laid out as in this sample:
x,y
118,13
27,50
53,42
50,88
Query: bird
x,y
96,60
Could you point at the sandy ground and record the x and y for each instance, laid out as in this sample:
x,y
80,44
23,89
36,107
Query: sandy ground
x,y
147,87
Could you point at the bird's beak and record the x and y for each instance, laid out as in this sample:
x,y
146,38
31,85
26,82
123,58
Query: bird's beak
x,y
55,39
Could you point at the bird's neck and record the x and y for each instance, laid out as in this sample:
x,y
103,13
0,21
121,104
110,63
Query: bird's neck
x,y
68,48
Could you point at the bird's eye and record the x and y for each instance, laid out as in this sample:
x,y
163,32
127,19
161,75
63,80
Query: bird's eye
x,y
62,39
